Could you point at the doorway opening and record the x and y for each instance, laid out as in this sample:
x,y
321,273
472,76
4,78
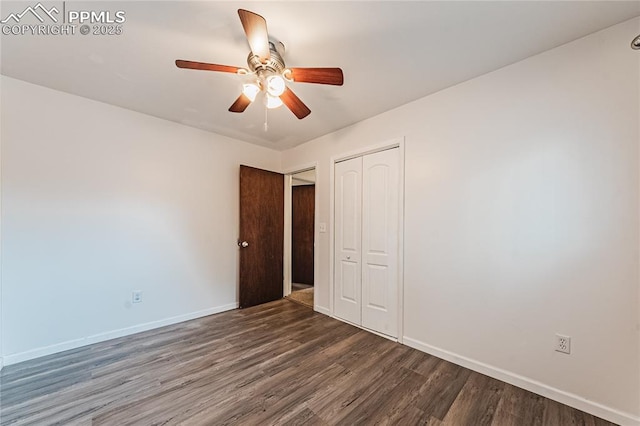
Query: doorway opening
x,y
301,227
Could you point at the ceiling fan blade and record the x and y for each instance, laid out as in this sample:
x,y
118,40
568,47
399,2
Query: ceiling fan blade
x,y
332,76
293,102
240,104
255,27
205,67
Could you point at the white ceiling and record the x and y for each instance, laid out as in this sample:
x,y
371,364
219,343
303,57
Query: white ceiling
x,y
391,53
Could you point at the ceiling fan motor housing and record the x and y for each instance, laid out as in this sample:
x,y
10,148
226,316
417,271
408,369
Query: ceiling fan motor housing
x,y
273,65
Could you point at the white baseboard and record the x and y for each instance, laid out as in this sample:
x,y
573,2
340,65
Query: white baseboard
x,y
322,310
114,334
567,398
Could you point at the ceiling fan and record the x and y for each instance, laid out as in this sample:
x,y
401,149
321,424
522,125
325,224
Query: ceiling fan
x,y
267,71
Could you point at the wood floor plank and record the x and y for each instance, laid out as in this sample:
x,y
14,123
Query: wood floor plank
x,y
278,363
477,401
441,388
406,415
347,396
518,407
305,418
422,363
389,397
556,413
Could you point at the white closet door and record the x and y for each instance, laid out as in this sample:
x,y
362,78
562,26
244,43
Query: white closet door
x,y
348,240
380,177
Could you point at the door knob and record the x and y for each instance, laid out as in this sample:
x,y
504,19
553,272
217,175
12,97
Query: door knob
x,y
243,244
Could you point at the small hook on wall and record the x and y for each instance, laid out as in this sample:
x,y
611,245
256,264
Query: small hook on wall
x,y
635,43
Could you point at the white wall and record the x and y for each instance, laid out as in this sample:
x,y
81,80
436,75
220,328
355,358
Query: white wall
x,y
98,201
521,220
1,351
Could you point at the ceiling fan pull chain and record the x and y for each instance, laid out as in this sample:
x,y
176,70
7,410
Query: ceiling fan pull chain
x,y
266,112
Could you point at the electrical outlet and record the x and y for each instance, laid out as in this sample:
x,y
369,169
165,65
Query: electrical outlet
x,y
136,297
563,344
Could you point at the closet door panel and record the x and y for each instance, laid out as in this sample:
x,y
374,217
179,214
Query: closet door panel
x,y
380,177
348,240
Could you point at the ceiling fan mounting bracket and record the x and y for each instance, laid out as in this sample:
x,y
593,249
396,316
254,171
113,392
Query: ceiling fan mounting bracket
x,y
277,45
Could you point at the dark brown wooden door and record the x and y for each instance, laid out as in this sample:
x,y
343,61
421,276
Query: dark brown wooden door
x,y
303,200
262,228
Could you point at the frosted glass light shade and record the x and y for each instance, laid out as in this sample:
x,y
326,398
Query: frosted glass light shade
x,y
275,85
250,91
273,101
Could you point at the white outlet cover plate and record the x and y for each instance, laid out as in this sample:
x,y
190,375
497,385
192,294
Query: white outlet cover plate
x,y
563,344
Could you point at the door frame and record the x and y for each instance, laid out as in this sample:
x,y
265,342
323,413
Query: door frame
x,y
383,146
288,180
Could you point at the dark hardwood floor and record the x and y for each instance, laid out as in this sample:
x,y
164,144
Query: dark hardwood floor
x,y
278,363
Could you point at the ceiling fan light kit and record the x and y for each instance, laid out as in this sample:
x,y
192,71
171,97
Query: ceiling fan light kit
x,y
267,73
251,90
272,102
275,85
